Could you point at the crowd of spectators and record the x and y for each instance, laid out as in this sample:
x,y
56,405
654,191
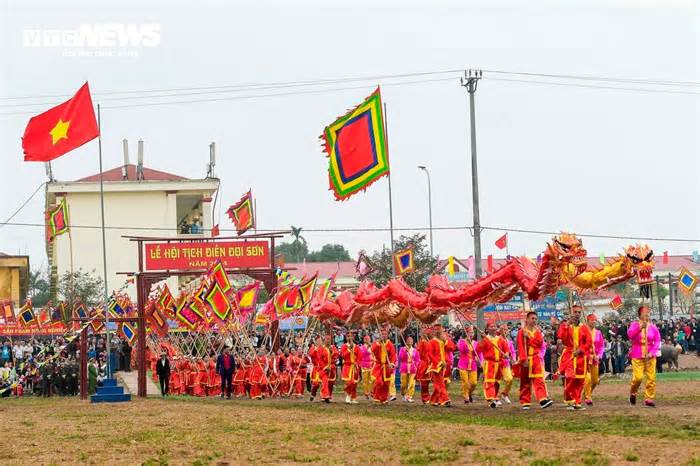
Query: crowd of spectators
x,y
50,366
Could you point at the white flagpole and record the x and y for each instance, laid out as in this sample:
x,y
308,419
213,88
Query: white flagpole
x,y
391,209
104,246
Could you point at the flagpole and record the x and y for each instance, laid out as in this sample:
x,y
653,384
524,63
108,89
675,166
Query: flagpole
x,y
391,209
104,244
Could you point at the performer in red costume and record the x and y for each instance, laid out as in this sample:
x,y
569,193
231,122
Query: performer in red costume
x,y
384,355
530,343
494,350
422,375
577,342
321,359
350,353
258,381
438,349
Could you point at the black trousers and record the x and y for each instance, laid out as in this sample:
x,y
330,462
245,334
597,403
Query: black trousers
x,y
226,382
164,384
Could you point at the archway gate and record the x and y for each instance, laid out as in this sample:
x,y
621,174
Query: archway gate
x,y
161,258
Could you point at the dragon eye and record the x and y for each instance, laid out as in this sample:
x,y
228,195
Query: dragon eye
x,y
649,256
565,247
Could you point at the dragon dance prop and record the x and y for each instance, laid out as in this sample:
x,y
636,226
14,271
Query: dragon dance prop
x,y
563,263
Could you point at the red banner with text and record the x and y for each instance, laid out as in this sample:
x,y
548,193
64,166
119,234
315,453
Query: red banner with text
x,y
200,255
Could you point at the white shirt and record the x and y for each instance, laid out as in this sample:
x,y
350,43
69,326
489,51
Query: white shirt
x,y
19,351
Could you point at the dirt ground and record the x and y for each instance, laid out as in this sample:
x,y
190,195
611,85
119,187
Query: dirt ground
x,y
183,430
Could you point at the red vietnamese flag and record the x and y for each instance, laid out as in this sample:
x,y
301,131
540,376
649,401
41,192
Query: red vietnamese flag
x,y
502,242
61,129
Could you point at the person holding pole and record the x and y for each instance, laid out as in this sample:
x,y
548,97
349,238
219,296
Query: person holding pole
x,y
574,359
646,341
530,341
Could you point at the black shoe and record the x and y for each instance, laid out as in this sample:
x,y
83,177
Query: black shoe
x,y
471,400
311,398
546,403
633,400
492,404
326,400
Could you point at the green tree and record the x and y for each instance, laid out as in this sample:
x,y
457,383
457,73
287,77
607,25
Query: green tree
x,y
425,264
330,253
39,288
80,287
297,250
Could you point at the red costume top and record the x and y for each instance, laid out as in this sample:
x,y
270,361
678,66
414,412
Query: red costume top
x,y
529,346
384,355
351,358
257,370
437,354
423,348
575,337
321,358
493,350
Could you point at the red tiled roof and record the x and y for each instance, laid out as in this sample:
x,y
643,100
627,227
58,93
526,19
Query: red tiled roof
x,y
324,269
115,174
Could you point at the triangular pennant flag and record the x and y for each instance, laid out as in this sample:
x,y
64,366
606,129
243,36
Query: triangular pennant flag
x,y
502,242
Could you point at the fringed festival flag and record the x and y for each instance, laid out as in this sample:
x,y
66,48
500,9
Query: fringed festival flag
x,y
185,315
8,310
166,303
323,291
57,220
97,323
156,320
44,316
267,314
115,309
198,303
241,213
686,280
26,314
80,312
616,302
246,298
217,274
356,148
218,302
403,261
306,290
127,331
287,300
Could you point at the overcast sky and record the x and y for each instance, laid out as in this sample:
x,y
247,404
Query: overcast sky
x,y
587,160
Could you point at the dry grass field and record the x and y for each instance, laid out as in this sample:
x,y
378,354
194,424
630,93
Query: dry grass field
x,y
183,430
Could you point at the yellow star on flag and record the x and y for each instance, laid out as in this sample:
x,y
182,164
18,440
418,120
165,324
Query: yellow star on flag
x,y
60,131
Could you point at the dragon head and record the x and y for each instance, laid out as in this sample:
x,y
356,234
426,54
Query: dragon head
x,y
568,248
641,258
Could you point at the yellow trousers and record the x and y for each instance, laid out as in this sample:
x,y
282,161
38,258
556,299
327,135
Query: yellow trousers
x,y
392,385
408,385
644,368
367,381
507,380
592,380
468,379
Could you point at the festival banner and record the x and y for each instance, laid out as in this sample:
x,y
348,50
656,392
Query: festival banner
x,y
241,213
202,255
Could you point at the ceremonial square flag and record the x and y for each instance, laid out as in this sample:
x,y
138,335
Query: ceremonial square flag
x,y
616,302
127,331
356,148
241,213
218,302
247,297
60,129
217,273
403,261
502,242
156,320
166,303
8,311
57,220
686,280
287,300
185,315
306,290
26,314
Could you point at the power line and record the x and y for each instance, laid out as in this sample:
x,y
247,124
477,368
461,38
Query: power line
x,y
599,78
384,229
247,86
255,96
594,86
24,204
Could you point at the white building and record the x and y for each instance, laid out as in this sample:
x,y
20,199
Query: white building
x,y
138,201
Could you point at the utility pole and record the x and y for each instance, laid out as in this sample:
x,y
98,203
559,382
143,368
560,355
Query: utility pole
x,y
670,295
430,207
470,81
658,298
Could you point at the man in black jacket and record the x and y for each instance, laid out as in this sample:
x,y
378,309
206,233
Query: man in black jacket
x,y
163,371
225,367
